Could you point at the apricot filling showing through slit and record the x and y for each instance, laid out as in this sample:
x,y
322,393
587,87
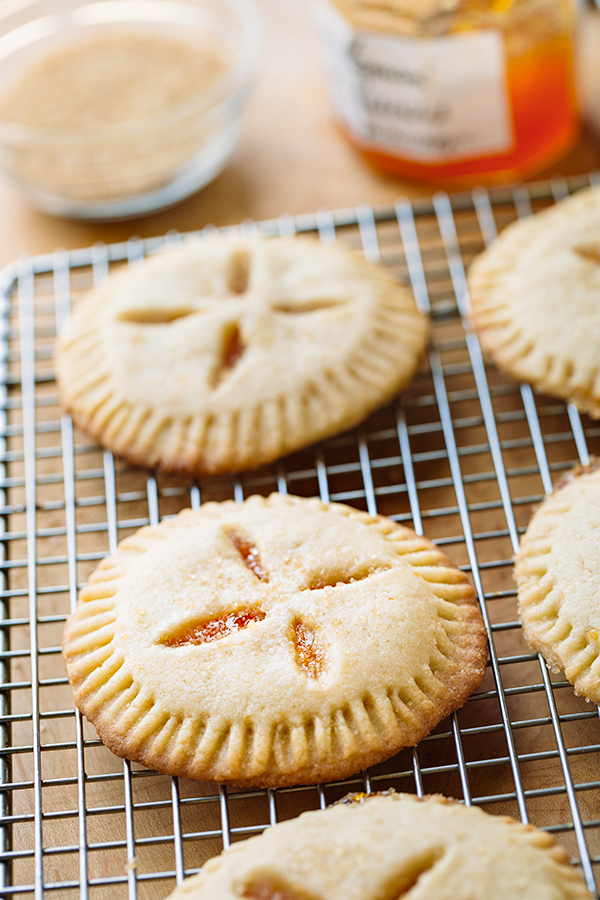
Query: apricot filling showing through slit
x,y
228,352
391,846
276,641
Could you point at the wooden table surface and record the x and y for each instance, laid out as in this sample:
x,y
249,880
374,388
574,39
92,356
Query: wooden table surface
x,y
292,159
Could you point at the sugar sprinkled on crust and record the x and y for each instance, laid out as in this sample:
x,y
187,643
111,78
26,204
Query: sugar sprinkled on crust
x,y
230,352
273,642
534,298
392,845
557,571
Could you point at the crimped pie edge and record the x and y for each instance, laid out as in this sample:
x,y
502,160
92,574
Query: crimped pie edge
x,y
136,726
234,868
206,443
546,623
500,335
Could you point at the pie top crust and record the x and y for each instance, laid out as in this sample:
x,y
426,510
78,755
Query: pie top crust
x,y
558,576
391,846
277,641
534,297
227,352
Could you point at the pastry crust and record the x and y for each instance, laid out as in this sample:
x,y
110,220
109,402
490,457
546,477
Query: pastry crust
x,y
279,641
391,846
229,352
558,576
534,298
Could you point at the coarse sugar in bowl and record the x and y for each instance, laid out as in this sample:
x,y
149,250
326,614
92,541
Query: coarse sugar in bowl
x,y
117,108
453,92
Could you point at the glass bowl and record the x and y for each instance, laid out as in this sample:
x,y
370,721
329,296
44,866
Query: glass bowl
x,y
151,160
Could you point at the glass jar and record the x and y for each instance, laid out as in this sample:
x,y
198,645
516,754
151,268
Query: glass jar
x,y
453,92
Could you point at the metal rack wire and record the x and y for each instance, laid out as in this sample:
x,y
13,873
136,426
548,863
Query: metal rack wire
x,y
463,456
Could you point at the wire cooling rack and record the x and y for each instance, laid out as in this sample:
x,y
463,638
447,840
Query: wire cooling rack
x,y
463,456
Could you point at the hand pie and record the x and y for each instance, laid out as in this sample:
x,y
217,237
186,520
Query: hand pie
x,y
229,352
274,642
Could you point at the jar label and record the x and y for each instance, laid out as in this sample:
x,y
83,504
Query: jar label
x,y
436,99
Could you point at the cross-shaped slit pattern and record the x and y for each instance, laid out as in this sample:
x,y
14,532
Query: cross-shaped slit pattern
x,y
308,653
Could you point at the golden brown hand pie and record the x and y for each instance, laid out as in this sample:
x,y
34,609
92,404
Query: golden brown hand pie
x,y
387,847
534,296
226,353
279,641
558,576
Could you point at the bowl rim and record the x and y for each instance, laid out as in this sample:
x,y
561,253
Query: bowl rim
x,y
234,79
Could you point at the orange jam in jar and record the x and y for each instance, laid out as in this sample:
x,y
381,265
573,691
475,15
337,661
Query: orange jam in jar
x,y
453,92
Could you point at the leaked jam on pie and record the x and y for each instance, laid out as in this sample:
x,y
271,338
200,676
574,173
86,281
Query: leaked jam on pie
x,y
308,654
214,629
234,348
249,554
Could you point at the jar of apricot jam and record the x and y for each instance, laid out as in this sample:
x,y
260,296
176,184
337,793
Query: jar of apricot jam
x,y
453,92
